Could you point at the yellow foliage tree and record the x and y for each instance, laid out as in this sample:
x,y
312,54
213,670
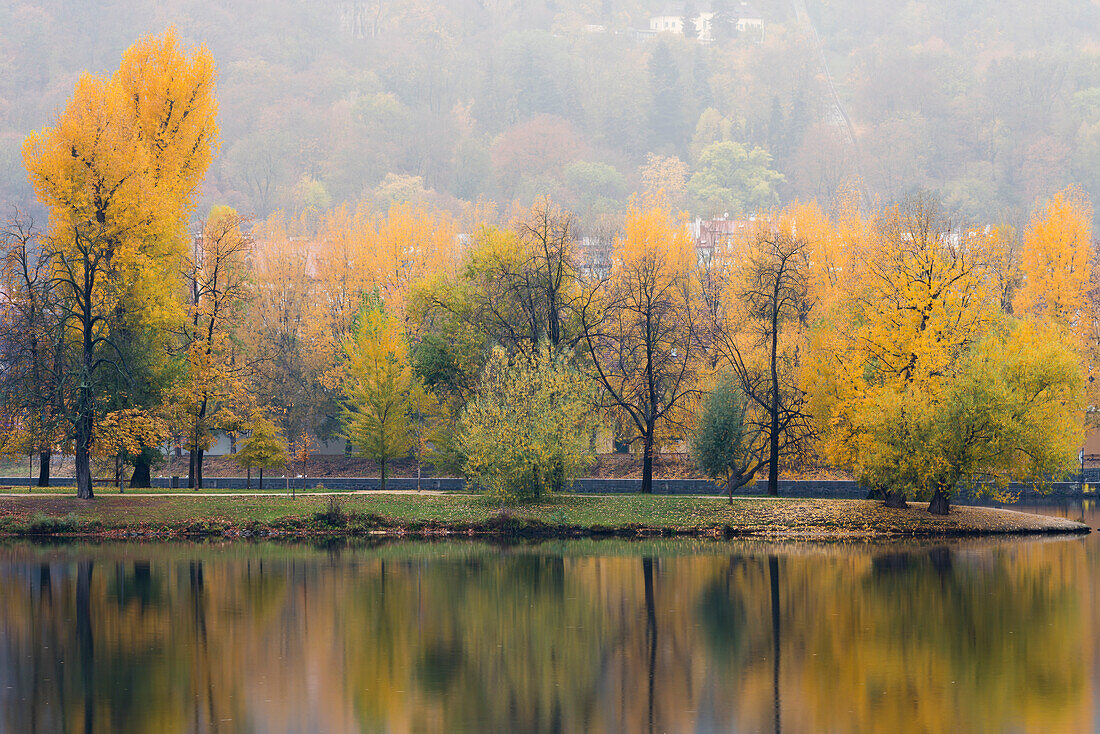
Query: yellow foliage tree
x,y
128,432
1056,261
278,335
117,172
920,387
1058,267
213,394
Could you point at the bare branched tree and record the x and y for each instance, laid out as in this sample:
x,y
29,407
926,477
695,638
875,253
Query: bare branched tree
x,y
640,325
30,355
751,311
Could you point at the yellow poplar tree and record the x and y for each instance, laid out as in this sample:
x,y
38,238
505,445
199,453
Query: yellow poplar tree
x,y
118,171
1056,260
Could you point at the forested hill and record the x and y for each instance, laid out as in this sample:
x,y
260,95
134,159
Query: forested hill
x,y
992,103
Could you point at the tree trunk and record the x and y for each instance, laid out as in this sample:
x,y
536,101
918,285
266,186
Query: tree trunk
x,y
141,477
261,478
82,458
198,468
191,466
647,462
248,480
940,504
896,500
44,469
382,468
773,409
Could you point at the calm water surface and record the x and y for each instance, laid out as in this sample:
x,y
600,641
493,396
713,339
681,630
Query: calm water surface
x,y
584,636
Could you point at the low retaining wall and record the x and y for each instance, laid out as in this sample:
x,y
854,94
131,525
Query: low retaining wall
x,y
787,487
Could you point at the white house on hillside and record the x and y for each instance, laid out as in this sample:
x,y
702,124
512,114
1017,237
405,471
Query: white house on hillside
x,y
745,18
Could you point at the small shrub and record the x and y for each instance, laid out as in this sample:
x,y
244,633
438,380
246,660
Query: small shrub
x,y
42,524
334,514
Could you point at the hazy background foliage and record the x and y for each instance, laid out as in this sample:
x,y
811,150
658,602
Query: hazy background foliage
x,y
993,104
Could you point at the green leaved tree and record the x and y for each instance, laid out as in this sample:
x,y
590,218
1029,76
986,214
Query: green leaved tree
x,y
727,444
732,178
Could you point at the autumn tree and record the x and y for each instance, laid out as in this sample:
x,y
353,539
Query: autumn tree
x,y
265,448
1010,411
277,336
216,275
640,325
30,346
527,431
127,433
378,387
1056,260
117,172
898,341
1059,276
517,286
534,151
663,175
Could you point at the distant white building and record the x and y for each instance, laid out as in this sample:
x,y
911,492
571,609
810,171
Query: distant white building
x,y
745,18
671,20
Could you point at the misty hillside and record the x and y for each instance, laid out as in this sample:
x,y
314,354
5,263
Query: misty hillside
x,y
330,101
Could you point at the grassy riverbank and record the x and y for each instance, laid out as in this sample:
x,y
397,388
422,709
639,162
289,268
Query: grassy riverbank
x,y
439,514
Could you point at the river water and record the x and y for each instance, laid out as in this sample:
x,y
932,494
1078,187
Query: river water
x,y
578,636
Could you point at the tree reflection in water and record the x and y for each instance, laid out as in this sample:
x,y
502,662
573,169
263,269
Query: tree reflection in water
x,y
561,637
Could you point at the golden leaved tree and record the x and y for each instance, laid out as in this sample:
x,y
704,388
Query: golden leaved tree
x,y
1059,276
1056,261
117,172
278,336
920,387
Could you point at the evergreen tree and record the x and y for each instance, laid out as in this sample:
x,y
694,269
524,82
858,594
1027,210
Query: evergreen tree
x,y
727,446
